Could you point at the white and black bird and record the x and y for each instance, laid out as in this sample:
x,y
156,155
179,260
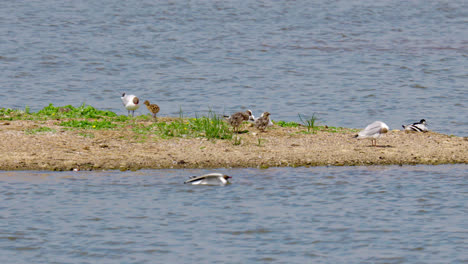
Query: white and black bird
x,y
373,131
131,102
209,179
420,126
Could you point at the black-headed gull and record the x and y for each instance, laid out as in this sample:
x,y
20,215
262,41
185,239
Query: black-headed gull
x,y
374,131
209,179
420,126
131,102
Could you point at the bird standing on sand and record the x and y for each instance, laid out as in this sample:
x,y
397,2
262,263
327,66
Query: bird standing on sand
x,y
373,131
235,120
252,119
209,179
153,108
263,121
420,126
131,102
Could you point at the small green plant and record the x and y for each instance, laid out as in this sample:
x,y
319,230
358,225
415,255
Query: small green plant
x,y
143,129
236,140
85,124
86,135
260,141
286,124
39,130
308,122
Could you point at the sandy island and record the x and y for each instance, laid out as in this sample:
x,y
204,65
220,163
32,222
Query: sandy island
x,y
123,149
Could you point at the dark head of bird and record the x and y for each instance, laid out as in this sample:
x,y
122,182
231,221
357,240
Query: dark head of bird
x,y
226,177
423,121
266,114
146,102
383,130
136,100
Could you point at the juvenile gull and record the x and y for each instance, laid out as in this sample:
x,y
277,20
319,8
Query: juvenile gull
x,y
420,126
153,108
373,131
263,121
209,179
235,120
131,102
252,119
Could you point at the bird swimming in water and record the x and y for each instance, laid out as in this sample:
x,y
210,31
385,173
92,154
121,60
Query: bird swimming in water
x,y
131,102
153,108
420,126
209,179
263,121
235,120
373,131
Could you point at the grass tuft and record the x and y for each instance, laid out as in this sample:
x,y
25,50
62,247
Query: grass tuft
x,y
309,122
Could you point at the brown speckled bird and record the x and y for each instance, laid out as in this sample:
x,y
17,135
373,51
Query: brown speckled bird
x,y
235,120
153,108
262,122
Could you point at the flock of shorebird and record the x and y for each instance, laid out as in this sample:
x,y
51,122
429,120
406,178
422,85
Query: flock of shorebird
x,y
132,103
372,131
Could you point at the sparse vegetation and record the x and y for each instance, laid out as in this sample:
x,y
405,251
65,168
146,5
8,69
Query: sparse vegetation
x,y
85,124
40,130
309,123
286,124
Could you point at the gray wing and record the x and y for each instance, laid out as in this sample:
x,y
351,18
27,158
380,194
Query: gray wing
x,y
370,130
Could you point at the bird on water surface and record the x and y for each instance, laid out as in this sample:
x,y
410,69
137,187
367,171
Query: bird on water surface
x,y
209,179
420,126
131,102
373,131
153,108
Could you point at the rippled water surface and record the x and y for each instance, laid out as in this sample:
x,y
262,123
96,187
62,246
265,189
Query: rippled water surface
x,y
349,62
409,214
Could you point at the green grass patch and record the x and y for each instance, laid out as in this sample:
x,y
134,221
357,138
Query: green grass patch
x,y
39,130
68,111
286,124
211,127
56,112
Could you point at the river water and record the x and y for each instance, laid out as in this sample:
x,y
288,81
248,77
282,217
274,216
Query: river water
x,y
349,62
408,214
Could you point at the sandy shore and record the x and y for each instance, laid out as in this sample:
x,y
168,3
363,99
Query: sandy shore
x,y
123,149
